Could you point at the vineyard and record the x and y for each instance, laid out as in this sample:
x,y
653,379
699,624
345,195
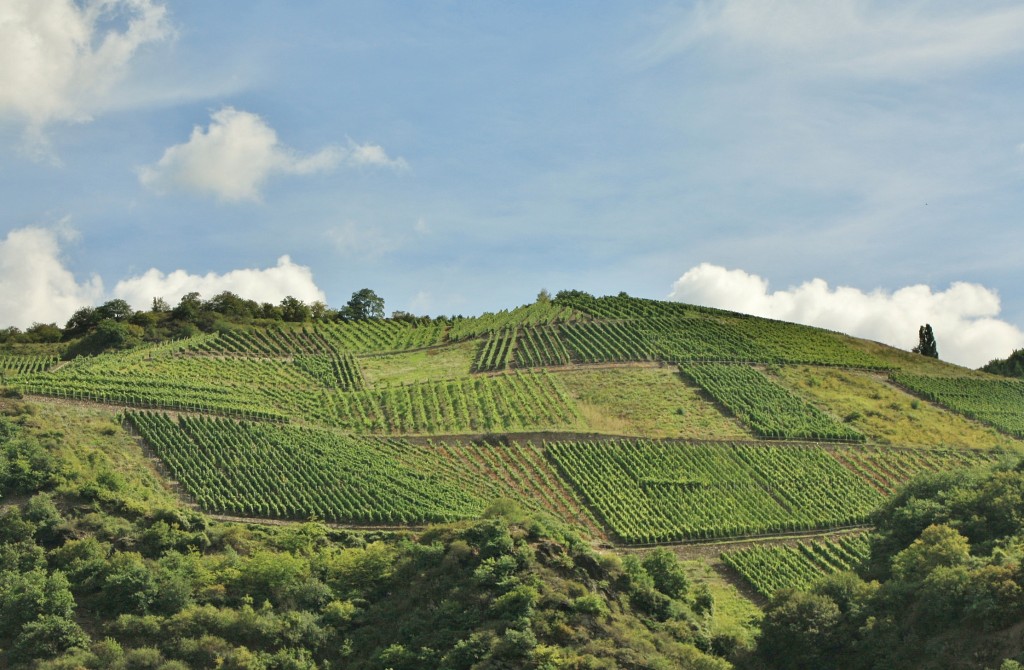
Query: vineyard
x,y
25,365
887,469
374,335
997,402
660,491
770,410
260,469
771,568
330,420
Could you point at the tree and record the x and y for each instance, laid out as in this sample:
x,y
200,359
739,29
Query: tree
x,y
293,309
232,305
117,309
926,346
365,304
43,332
81,322
188,307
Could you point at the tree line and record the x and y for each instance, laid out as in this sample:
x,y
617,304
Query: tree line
x,y
115,325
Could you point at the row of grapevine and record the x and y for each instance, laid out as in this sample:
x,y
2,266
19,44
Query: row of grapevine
x,y
997,402
540,346
25,365
700,338
782,342
338,371
606,342
660,491
265,470
887,469
284,340
536,314
487,404
807,480
151,393
495,351
520,472
623,306
292,472
769,568
681,332
770,410
273,340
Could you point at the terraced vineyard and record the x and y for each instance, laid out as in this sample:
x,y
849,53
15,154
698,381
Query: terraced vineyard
x,y
25,365
997,402
662,491
574,389
887,469
285,471
355,337
770,410
770,568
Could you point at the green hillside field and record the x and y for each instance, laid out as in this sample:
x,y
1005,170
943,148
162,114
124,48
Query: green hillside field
x,y
240,414
633,423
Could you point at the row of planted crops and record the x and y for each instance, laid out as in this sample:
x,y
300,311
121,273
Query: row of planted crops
x,y
660,491
769,568
260,469
997,402
641,491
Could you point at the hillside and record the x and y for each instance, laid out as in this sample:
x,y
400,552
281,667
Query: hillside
x,y
628,422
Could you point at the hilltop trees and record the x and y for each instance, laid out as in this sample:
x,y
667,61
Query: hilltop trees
x,y
1013,366
926,342
365,304
115,325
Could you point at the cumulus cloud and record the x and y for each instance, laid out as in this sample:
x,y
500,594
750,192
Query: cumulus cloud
x,y
963,316
59,60
234,156
857,37
35,286
263,285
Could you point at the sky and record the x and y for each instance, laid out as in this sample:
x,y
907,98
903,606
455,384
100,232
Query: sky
x,y
856,164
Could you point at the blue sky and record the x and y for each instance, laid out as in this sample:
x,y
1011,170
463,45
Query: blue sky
x,y
851,164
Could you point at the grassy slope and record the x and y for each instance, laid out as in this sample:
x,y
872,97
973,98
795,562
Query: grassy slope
x,y
887,414
647,401
447,362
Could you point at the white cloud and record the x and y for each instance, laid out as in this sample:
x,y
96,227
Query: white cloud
x,y
34,284
374,155
855,37
235,155
263,285
963,316
60,60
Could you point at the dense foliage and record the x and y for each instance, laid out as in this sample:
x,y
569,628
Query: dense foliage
x,y
944,586
1011,366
